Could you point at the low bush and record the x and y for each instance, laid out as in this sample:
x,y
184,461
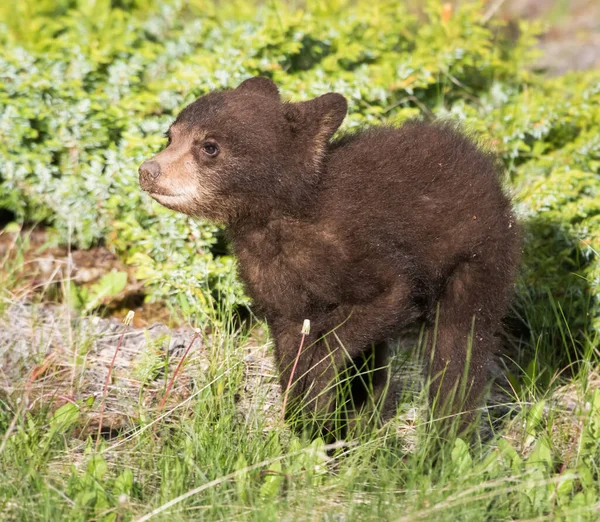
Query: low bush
x,y
88,88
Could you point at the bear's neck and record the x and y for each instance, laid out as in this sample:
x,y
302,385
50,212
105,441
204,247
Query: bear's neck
x,y
268,224
277,204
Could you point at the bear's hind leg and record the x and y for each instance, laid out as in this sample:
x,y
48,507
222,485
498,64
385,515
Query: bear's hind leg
x,y
463,341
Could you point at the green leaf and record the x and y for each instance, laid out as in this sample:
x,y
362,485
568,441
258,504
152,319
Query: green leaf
x,y
461,457
63,419
534,417
509,455
541,454
273,481
109,286
124,482
242,478
97,467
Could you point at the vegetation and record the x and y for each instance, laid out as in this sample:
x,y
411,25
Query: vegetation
x,y
88,87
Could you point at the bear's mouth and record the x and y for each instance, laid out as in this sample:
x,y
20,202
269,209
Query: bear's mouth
x,y
170,199
163,195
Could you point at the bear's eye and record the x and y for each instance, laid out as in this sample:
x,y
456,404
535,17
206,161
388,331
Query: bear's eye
x,y
210,149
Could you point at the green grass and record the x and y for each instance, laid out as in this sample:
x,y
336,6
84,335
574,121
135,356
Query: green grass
x,y
206,457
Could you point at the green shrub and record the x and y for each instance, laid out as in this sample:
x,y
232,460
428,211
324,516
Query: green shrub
x,y
88,88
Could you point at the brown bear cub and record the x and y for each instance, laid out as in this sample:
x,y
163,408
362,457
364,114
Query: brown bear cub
x,y
362,235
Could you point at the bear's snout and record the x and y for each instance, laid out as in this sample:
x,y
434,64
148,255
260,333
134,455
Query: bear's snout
x,y
149,172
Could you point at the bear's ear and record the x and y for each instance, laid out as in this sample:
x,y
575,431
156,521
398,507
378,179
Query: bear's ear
x,y
317,120
260,85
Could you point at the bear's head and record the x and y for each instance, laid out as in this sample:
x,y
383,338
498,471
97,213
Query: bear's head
x,y
243,152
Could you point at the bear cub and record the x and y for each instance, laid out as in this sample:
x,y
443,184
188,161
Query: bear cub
x,y
362,235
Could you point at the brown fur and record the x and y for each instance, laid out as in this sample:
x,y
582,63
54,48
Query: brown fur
x,y
363,235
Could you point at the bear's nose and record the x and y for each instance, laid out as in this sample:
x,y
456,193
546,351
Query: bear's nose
x,y
149,171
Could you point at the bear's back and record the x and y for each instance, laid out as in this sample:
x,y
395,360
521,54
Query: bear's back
x,y
425,188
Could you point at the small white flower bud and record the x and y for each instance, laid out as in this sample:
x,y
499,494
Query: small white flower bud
x,y
306,327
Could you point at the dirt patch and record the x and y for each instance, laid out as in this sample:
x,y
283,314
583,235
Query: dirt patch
x,y
50,356
44,269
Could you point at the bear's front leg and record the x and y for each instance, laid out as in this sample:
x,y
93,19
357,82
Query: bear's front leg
x,y
319,372
345,353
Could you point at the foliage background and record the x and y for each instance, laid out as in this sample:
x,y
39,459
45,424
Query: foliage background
x,y
88,88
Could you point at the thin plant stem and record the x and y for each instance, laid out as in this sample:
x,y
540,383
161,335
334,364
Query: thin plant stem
x,y
305,332
174,376
127,322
